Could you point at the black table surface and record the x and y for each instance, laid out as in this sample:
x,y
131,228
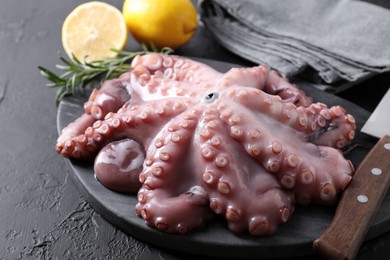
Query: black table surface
x,y
43,214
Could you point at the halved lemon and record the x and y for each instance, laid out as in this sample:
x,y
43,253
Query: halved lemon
x,y
92,29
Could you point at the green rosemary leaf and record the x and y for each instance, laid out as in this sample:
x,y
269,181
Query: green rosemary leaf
x,y
75,59
61,92
72,65
51,85
51,76
73,84
62,67
109,73
166,50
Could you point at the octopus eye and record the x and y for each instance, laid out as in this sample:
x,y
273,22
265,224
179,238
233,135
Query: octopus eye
x,y
210,98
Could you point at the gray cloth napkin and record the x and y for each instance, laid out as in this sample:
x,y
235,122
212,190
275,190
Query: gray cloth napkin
x,y
338,39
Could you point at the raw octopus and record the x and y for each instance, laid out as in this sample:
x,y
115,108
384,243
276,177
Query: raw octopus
x,y
245,144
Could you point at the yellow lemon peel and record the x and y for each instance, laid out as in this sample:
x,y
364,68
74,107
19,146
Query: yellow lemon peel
x,y
167,23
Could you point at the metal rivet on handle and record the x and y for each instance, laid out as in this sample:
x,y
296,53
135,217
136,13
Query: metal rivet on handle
x,y
376,171
387,146
362,198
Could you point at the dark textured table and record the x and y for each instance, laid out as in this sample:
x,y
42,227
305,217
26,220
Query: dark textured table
x,y
43,215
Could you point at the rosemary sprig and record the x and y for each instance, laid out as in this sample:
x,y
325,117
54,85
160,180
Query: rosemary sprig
x,y
78,75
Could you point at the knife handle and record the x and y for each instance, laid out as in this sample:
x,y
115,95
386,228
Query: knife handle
x,y
358,205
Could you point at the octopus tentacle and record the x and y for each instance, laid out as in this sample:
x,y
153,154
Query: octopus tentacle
x,y
293,164
277,85
231,186
317,123
131,122
167,199
75,128
338,126
109,98
173,214
267,80
174,72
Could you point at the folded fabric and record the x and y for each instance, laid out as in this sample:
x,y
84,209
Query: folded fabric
x,y
339,39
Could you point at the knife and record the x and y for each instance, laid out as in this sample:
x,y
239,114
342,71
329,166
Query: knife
x,y
362,197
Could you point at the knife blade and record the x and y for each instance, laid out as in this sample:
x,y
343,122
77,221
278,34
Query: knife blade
x,y
362,197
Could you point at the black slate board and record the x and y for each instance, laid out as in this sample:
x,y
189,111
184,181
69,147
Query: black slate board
x,y
292,239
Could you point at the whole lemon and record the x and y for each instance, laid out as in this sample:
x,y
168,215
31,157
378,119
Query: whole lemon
x,y
164,23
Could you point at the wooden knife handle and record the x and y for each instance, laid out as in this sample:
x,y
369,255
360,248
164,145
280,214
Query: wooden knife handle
x,y
357,206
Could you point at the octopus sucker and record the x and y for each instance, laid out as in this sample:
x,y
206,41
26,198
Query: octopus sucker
x,y
285,214
292,160
221,161
246,144
258,226
254,150
208,152
273,165
288,181
233,215
216,206
209,177
158,171
276,147
306,177
224,187
328,193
